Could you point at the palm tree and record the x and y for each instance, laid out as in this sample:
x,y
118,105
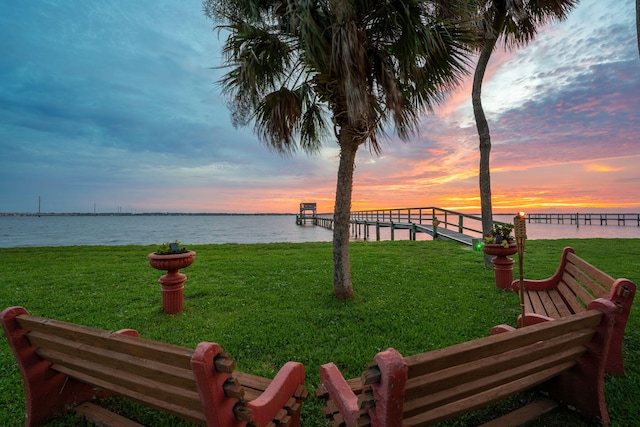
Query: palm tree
x,y
516,22
300,69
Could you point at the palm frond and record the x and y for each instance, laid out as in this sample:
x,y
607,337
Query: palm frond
x,y
277,118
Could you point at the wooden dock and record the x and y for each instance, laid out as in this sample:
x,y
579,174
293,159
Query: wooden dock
x,y
448,224
457,226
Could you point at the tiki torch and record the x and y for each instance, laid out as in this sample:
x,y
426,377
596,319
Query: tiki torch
x,y
520,229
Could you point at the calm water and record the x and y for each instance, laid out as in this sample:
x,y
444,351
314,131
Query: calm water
x,y
148,230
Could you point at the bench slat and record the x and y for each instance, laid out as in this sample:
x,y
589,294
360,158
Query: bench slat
x,y
559,304
155,401
249,381
573,303
594,288
572,278
421,364
528,307
536,302
548,305
602,277
102,417
111,378
159,372
135,346
484,398
578,289
525,415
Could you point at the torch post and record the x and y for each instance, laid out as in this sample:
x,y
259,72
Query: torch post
x,y
520,230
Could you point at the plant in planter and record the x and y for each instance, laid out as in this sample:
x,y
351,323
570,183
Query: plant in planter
x,y
169,248
172,256
500,234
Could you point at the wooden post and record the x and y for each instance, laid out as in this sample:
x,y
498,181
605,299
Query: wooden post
x,y
520,230
435,223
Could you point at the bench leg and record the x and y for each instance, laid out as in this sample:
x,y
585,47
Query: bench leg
x,y
582,386
47,392
622,294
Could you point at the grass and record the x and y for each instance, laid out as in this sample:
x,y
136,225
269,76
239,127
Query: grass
x,y
267,304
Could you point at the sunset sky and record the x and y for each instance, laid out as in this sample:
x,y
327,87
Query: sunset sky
x,y
114,106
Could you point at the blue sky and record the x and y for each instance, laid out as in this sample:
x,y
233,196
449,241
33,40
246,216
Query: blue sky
x,y
115,105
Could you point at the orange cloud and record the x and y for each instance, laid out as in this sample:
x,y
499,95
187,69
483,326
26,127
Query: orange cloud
x,y
597,167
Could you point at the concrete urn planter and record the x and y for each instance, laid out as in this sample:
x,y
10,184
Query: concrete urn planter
x,y
497,249
173,281
502,265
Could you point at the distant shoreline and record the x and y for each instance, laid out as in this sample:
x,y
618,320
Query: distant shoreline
x,y
40,214
139,214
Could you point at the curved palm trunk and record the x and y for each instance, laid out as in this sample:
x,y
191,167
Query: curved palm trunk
x,y
485,137
342,287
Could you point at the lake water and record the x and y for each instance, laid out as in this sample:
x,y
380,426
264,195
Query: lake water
x,y
17,231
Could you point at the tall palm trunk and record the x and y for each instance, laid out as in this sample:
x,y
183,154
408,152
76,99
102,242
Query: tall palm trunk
x,y
342,287
638,24
486,208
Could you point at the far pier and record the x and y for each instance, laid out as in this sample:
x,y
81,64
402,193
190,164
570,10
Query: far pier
x,y
621,219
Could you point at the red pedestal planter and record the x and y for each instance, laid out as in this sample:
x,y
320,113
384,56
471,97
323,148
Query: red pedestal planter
x,y
172,282
502,265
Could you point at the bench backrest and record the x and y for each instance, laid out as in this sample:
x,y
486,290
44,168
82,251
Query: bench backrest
x,y
156,374
584,281
448,382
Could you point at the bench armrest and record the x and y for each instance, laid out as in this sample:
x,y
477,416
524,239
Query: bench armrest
x,y
549,283
340,393
275,397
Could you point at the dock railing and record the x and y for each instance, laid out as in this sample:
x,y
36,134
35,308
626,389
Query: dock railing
x,y
463,227
457,221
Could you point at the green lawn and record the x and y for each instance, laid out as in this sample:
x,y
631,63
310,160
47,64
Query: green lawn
x,y
267,304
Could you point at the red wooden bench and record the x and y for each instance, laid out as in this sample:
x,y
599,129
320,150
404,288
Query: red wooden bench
x,y
564,357
571,289
66,367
